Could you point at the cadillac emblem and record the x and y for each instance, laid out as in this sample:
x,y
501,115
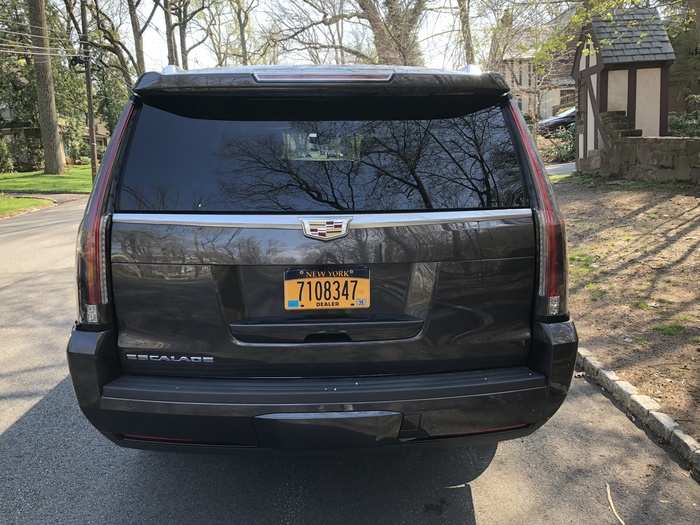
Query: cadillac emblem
x,y
326,229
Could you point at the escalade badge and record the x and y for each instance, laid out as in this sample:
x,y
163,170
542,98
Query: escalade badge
x,y
326,229
195,359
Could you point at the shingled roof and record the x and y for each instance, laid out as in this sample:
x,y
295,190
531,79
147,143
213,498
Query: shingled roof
x,y
632,35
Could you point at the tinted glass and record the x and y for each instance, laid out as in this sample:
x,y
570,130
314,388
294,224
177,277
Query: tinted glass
x,y
178,163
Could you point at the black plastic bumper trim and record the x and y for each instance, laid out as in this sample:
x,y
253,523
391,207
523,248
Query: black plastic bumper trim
x,y
312,391
165,412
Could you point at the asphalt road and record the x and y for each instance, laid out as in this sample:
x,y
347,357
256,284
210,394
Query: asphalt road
x,y
54,468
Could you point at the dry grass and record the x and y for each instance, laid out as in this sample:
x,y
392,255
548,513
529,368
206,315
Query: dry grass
x,y
634,258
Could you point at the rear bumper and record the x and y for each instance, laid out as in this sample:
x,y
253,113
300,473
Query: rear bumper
x,y
189,413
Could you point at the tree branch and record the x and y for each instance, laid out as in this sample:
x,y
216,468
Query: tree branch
x,y
145,25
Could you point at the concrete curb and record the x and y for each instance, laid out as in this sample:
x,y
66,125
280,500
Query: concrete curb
x,y
57,198
36,196
642,409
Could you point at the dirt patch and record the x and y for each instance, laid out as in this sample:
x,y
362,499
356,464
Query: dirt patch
x,y
634,280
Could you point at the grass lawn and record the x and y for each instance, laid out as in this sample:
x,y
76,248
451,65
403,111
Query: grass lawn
x,y
12,205
76,179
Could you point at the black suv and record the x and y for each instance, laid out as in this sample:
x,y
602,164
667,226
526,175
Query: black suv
x,y
308,257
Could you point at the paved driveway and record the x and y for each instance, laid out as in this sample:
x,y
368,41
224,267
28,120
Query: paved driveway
x,y
561,169
54,468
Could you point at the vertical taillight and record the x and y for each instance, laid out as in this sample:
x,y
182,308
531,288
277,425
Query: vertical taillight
x,y
92,259
551,283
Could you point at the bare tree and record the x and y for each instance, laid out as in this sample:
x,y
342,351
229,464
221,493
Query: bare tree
x,y
111,41
501,39
138,27
242,10
108,50
217,21
394,25
464,9
170,33
319,27
185,11
54,156
232,34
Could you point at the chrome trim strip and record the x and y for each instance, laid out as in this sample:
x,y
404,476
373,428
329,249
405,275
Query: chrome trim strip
x,y
293,222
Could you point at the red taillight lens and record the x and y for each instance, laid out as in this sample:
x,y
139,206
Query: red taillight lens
x,y
552,286
93,294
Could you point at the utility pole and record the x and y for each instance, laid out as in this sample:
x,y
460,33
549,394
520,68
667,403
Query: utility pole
x,y
88,88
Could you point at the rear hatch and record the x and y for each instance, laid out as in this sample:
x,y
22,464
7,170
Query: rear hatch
x,y
321,233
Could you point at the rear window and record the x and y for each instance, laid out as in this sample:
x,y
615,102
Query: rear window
x,y
177,163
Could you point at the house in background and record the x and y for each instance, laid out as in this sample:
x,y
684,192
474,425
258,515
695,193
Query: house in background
x,y
622,81
19,130
540,96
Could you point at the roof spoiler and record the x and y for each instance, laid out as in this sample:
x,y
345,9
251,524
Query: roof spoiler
x,y
261,80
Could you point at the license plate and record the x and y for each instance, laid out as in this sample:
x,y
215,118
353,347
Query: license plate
x,y
326,288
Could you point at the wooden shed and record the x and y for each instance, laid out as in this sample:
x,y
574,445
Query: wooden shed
x,y
622,81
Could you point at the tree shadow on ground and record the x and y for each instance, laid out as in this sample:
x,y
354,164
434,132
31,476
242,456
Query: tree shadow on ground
x,y
57,469
635,256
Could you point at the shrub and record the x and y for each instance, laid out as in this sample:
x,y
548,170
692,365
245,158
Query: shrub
x,y
6,163
27,153
559,145
73,142
685,124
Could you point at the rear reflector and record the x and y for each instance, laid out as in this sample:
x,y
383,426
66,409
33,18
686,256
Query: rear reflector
x,y
552,287
93,291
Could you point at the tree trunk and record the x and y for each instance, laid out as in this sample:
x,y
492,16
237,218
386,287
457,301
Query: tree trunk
x,y
182,31
395,30
499,41
242,21
169,35
383,44
54,156
138,37
465,30
183,46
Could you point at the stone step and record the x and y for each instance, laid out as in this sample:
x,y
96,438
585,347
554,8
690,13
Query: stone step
x,y
618,126
613,114
627,132
622,126
617,122
613,118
